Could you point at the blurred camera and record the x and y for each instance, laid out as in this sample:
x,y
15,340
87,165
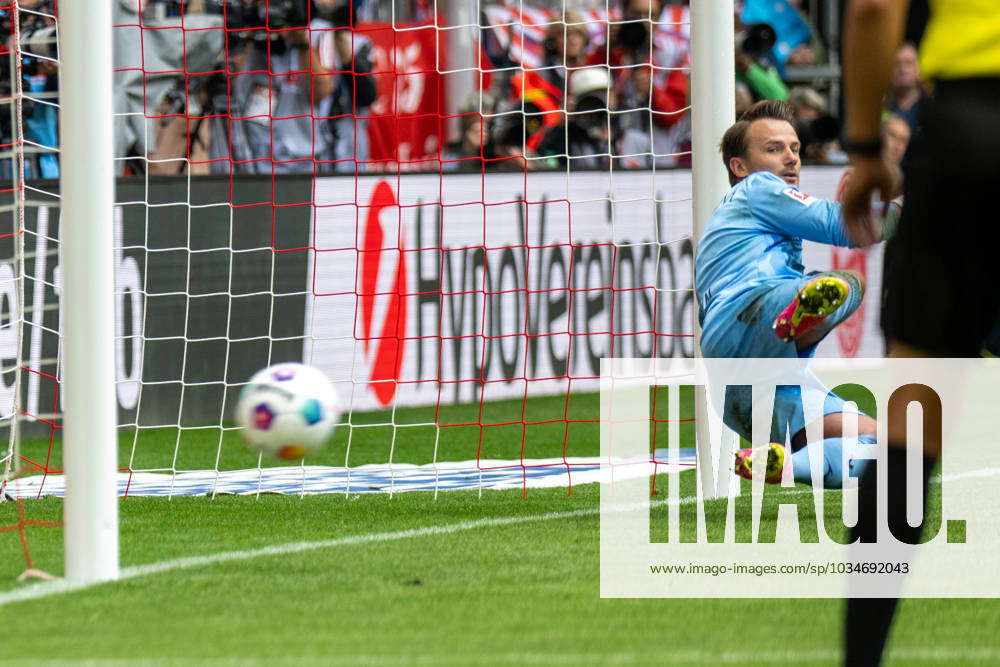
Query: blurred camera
x,y
339,14
757,41
282,14
274,14
634,36
256,21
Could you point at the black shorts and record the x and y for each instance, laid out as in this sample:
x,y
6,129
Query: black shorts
x,y
942,269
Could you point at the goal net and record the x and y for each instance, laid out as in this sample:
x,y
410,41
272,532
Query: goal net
x,y
453,209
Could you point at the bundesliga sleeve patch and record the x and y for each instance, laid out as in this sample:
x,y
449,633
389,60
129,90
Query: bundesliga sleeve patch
x,y
801,197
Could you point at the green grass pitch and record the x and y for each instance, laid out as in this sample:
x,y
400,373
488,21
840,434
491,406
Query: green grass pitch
x,y
459,589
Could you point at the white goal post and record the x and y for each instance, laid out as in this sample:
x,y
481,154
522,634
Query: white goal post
x,y
88,311
713,103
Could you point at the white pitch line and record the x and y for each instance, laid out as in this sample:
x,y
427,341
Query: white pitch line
x,y
49,588
59,586
934,655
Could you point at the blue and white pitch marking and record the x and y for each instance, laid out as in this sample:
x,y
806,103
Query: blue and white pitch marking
x,y
376,478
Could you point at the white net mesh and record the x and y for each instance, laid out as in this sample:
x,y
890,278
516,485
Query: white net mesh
x,y
454,211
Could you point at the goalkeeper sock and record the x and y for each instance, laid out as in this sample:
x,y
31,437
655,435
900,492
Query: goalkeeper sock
x,y
868,619
833,468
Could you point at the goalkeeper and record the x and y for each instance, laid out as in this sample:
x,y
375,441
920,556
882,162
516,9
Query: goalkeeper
x,y
754,296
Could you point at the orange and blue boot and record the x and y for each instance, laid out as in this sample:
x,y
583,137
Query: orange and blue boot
x,y
775,463
811,306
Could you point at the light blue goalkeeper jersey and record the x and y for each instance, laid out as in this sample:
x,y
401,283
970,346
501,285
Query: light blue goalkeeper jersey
x,y
754,239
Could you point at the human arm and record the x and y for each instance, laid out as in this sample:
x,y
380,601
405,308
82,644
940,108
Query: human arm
x,y
784,210
872,32
765,83
320,68
345,57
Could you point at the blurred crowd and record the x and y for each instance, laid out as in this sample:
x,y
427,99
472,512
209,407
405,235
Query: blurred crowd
x,y
288,86
285,88
39,79
595,87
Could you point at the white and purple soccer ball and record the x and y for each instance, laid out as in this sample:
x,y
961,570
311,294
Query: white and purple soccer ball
x,y
288,411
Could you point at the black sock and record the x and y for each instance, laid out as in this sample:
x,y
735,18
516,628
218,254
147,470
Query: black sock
x,y
868,619
866,630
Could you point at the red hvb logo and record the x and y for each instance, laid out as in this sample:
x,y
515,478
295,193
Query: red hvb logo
x,y
801,197
384,349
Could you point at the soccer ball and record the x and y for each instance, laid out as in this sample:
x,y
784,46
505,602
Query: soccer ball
x,y
288,411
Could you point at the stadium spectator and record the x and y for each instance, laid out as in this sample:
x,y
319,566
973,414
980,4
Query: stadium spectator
x,y
649,67
565,49
631,39
276,93
41,79
149,67
473,145
807,104
509,151
541,93
817,130
646,45
895,135
812,50
643,141
183,133
347,55
895,139
754,65
906,92
182,118
539,102
584,139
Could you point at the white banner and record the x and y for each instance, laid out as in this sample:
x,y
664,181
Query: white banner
x,y
460,288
